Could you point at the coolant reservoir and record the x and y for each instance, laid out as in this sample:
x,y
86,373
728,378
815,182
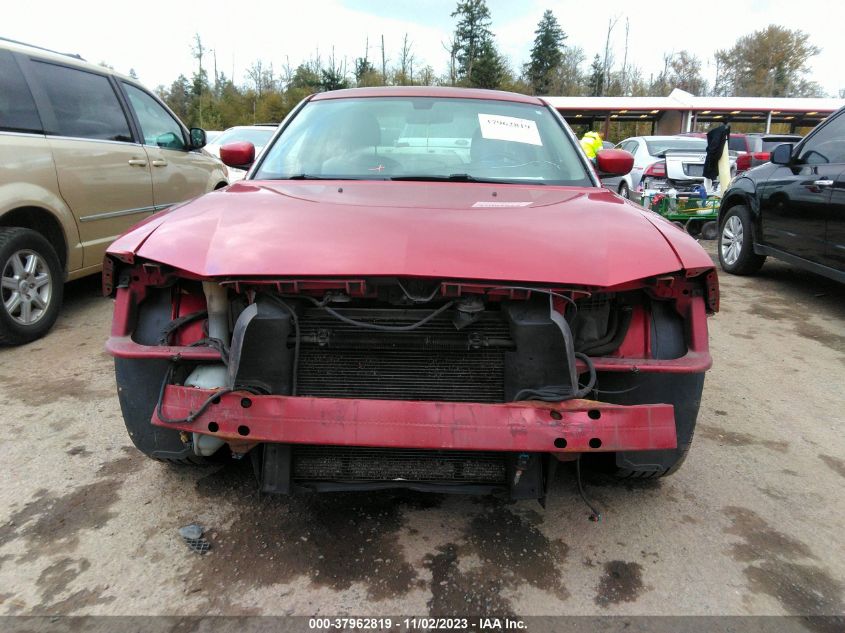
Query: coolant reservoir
x,y
207,377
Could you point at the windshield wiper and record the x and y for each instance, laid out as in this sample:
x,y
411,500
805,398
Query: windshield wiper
x,y
450,177
466,178
308,177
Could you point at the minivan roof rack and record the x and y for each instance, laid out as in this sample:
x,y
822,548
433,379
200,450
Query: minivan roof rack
x,y
41,48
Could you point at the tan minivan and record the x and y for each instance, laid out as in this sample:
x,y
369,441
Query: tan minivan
x,y
85,153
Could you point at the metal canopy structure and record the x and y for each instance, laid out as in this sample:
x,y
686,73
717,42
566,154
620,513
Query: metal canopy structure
x,y
682,111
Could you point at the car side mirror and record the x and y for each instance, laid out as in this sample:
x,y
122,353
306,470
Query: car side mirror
x,y
782,154
240,154
614,162
198,140
169,140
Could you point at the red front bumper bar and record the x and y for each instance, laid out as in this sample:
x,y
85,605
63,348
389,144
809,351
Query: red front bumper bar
x,y
571,426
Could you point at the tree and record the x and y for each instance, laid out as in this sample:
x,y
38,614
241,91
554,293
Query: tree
x,y
200,78
472,35
685,73
595,81
771,62
546,54
404,73
569,79
490,70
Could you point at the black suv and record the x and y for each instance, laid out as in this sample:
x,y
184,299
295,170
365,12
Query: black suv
x,y
792,208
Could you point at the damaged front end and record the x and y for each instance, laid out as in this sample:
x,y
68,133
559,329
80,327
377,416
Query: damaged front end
x,y
430,384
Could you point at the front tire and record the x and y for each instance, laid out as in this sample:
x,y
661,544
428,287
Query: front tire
x,y
736,243
31,286
138,386
683,391
624,190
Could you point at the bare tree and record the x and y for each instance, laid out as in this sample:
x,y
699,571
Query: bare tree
x,y
198,51
452,47
625,58
406,62
608,60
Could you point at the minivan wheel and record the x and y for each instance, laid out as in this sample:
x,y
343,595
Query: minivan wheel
x,y
31,286
736,243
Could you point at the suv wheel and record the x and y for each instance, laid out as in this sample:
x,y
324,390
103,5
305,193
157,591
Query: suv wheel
x,y
736,243
31,285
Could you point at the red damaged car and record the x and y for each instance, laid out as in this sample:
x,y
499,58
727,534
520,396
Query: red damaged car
x,y
413,287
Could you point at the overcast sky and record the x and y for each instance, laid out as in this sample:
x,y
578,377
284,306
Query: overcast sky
x,y
154,36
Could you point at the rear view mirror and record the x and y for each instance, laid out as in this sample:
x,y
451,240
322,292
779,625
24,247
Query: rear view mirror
x,y
614,162
240,154
197,138
782,154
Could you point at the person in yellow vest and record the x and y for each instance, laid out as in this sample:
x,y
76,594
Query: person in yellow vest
x,y
591,144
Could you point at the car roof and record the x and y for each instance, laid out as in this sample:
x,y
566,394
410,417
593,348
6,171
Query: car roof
x,y
669,137
258,126
69,59
427,91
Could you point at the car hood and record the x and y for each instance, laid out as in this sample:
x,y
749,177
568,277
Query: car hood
x,y
585,236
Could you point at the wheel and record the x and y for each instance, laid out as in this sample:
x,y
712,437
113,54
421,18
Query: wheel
x,y
138,385
683,391
693,228
709,231
31,286
736,243
624,191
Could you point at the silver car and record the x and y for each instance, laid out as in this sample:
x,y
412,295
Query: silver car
x,y
662,162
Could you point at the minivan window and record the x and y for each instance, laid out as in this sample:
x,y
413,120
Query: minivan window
x,y
17,108
158,128
84,103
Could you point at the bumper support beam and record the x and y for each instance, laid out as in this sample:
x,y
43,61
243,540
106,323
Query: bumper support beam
x,y
565,427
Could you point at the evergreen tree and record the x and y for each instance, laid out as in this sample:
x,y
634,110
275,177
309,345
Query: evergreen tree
x,y
472,33
489,69
546,54
595,83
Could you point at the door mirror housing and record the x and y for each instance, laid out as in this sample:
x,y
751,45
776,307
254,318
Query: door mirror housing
x,y
240,154
782,154
198,140
614,162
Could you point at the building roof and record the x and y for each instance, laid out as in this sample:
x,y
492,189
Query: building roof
x,y
681,100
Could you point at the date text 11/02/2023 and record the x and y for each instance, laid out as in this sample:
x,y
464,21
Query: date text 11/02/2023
x,y
416,624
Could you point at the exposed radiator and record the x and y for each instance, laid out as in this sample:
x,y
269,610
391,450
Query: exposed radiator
x,y
435,362
338,463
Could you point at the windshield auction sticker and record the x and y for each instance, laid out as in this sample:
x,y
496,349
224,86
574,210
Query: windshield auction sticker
x,y
508,128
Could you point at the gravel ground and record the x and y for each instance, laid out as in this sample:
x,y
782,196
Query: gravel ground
x,y
749,525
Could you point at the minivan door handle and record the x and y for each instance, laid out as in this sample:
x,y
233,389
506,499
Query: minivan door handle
x,y
139,162
823,183
160,162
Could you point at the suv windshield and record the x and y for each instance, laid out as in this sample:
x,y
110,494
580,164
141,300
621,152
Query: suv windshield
x,y
425,138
